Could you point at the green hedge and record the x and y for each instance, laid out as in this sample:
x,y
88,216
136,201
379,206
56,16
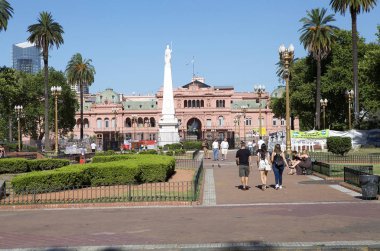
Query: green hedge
x,y
150,151
116,157
13,165
20,165
46,164
50,181
106,153
339,145
142,168
192,145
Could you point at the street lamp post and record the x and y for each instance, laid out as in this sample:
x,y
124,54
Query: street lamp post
x,y
350,95
18,110
244,110
56,91
259,89
237,122
324,104
286,57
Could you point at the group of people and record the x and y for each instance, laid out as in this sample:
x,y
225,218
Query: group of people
x,y
275,161
216,147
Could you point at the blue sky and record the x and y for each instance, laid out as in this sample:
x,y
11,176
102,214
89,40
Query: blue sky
x,y
234,42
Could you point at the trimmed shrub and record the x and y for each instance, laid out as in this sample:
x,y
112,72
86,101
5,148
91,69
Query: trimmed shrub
x,y
173,146
50,181
137,168
46,164
150,151
106,153
339,145
156,168
13,165
115,173
192,145
116,157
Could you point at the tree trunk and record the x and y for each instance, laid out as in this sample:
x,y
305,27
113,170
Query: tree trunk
x,y
318,96
355,64
81,110
46,95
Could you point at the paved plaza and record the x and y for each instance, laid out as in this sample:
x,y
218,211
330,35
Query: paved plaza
x,y
308,213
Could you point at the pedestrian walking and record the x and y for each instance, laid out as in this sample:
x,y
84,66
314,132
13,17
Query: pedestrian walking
x,y
260,142
205,149
278,164
224,146
244,161
93,147
215,149
263,163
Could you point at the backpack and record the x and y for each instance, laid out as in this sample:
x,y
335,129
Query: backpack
x,y
278,160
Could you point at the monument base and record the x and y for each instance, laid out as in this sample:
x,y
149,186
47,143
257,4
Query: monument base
x,y
168,132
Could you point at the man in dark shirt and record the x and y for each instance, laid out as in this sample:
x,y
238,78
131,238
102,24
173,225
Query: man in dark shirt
x,y
243,160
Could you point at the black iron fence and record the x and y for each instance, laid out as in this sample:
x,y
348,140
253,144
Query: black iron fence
x,y
160,191
352,174
352,158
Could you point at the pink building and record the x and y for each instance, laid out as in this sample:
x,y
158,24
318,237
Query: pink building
x,y
204,112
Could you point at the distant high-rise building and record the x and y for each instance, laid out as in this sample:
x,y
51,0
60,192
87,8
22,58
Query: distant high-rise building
x,y
26,57
76,88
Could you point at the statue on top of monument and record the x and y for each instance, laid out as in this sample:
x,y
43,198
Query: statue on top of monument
x,y
168,55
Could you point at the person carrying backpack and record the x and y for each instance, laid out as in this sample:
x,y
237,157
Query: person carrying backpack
x,y
263,165
279,162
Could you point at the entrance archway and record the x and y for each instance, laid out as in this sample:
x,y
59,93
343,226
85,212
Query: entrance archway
x,y
194,128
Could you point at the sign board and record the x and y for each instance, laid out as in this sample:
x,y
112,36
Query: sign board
x,y
322,134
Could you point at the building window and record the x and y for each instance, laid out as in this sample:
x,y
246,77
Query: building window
x,y
208,122
274,122
282,122
220,103
185,103
113,122
99,123
221,121
248,121
202,103
107,122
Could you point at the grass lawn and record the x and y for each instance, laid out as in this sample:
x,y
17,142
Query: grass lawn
x,y
376,169
365,151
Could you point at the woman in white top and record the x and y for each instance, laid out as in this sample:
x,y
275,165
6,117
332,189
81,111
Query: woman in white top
x,y
263,163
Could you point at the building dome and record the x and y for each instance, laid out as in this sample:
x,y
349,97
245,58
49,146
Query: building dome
x,y
278,92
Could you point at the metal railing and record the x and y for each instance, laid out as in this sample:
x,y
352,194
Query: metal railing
x,y
352,158
159,191
352,174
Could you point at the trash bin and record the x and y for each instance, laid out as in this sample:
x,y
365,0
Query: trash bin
x,y
369,185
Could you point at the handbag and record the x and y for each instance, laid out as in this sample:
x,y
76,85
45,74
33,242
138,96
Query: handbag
x,y
264,165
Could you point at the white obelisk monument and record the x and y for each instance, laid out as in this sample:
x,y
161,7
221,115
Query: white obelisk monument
x,y
168,131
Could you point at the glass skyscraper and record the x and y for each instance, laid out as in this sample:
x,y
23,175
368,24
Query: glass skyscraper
x,y
26,57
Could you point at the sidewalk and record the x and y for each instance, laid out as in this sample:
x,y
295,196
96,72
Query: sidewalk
x,y
296,188
306,214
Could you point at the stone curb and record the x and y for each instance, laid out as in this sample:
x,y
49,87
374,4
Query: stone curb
x,y
340,245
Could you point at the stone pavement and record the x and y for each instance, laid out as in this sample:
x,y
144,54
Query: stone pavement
x,y
308,214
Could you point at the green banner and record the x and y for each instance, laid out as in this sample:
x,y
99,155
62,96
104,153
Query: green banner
x,y
310,134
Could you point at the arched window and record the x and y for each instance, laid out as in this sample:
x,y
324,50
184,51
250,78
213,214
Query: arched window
x,y
198,104
86,123
220,121
113,123
185,103
106,122
140,122
202,103
78,123
193,103
128,122
99,123
152,122
224,103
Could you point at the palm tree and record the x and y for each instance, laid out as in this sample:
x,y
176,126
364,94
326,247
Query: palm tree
x,y
317,37
355,6
45,34
6,12
80,71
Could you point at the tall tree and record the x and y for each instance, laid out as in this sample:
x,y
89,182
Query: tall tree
x,y
80,71
45,34
6,12
317,36
355,7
